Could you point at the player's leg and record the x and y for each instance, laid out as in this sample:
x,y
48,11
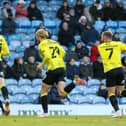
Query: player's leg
x,y
5,94
1,106
121,91
44,94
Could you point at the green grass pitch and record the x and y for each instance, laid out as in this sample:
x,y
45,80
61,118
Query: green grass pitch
x,y
62,121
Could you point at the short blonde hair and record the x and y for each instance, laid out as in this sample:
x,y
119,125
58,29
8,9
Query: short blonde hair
x,y
42,33
108,34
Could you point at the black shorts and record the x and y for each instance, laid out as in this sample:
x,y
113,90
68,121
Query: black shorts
x,y
1,70
114,77
54,76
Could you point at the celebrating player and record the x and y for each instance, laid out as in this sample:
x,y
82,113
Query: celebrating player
x,y
4,51
110,52
53,57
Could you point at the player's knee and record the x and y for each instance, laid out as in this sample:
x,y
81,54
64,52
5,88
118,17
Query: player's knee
x,y
62,93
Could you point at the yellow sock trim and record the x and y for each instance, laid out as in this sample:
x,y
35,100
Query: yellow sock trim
x,y
112,94
43,94
2,85
65,93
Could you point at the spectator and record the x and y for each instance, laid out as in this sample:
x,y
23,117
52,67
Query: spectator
x,y
102,91
94,51
65,35
81,25
71,69
53,96
81,50
8,25
64,9
90,35
107,12
33,12
71,54
21,10
116,37
6,70
95,10
79,7
31,51
119,11
18,69
31,68
86,70
7,10
98,70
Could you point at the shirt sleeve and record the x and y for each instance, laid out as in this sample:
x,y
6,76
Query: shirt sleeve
x,y
123,47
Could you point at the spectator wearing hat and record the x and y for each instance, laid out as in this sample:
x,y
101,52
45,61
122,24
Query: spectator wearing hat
x,y
33,12
8,25
31,51
64,9
6,10
21,10
116,37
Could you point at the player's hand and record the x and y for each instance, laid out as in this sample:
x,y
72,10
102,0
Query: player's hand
x,y
39,67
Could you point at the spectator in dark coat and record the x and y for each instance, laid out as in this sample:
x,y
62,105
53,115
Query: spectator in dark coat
x,y
86,69
95,10
8,25
64,9
7,70
71,69
119,11
65,35
98,70
94,52
18,69
53,96
107,12
102,91
31,68
81,50
33,12
71,54
79,7
90,35
32,51
116,37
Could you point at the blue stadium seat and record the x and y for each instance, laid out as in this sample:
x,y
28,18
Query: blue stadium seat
x,y
84,100
34,98
26,100
13,55
24,24
13,37
122,24
20,49
18,98
24,82
112,24
33,91
51,24
36,23
18,91
10,63
93,82
75,91
99,25
15,43
90,91
26,88
99,100
122,100
11,88
11,82
77,38
26,43
36,82
0,23
1,98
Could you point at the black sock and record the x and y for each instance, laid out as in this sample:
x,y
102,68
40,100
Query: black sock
x,y
4,92
114,102
1,106
69,88
44,102
123,94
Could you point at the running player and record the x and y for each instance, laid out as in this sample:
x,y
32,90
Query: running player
x,y
110,52
4,51
53,57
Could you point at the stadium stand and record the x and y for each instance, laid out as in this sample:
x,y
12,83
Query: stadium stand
x,y
27,91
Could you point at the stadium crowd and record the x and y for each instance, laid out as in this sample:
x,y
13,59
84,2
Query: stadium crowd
x,y
76,32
